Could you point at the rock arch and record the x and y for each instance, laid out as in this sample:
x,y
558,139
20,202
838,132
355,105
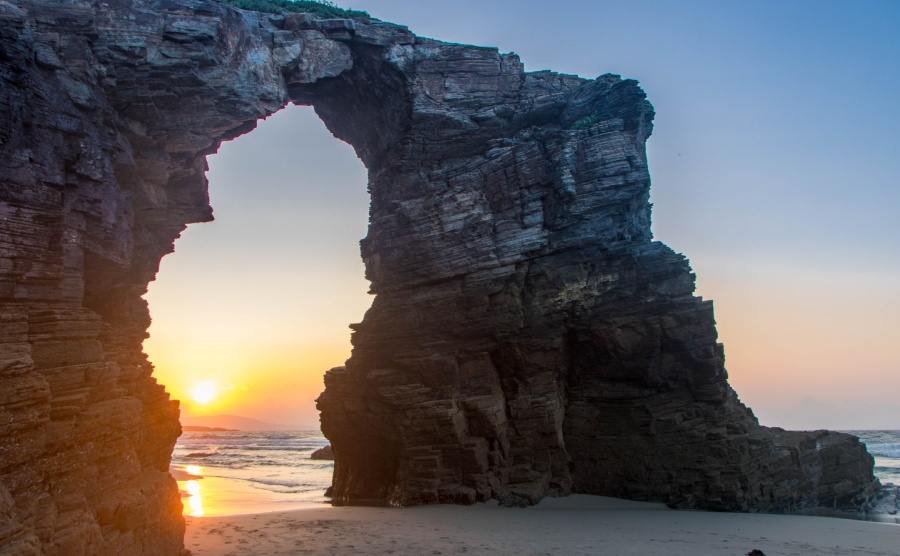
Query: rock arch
x,y
528,337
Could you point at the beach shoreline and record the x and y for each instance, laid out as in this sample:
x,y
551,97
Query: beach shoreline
x,y
576,524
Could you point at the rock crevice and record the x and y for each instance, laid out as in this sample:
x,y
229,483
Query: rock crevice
x,y
528,337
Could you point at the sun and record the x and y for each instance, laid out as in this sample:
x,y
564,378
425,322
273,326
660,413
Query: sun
x,y
204,392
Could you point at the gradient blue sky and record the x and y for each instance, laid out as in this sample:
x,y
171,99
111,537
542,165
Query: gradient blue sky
x,y
775,162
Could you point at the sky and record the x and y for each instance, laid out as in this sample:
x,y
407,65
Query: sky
x,y
775,166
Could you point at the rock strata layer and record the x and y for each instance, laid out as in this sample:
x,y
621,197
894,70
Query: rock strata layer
x,y
528,337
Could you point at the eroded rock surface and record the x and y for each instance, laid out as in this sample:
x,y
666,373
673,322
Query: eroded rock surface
x,y
528,337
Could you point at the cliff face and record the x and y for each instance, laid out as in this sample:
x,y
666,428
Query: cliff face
x,y
528,338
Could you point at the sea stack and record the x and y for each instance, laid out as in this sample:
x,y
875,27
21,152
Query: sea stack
x,y
528,337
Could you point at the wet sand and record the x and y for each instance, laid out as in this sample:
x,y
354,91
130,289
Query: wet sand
x,y
577,524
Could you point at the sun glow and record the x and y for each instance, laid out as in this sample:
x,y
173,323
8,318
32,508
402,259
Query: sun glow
x,y
204,392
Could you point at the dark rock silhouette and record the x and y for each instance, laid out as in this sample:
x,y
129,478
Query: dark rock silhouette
x,y
528,337
323,453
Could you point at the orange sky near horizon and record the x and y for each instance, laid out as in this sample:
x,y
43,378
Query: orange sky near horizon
x,y
805,347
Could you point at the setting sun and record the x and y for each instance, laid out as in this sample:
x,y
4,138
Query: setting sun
x,y
204,392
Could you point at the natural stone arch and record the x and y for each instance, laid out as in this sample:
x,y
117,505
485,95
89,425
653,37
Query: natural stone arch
x,y
528,336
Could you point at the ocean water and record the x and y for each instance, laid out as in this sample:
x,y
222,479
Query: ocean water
x,y
885,448
226,473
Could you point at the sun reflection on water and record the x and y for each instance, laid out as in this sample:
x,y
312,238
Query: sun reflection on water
x,y
195,500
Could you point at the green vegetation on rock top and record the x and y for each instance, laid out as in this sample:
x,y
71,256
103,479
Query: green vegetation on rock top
x,y
322,9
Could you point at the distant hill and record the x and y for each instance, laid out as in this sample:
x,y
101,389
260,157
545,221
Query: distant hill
x,y
235,422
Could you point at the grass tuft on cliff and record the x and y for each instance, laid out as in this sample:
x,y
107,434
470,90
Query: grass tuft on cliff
x,y
585,123
321,9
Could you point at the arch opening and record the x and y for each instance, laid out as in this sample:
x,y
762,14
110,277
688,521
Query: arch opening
x,y
258,301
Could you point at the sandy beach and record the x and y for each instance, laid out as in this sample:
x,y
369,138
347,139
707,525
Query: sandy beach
x,y
577,524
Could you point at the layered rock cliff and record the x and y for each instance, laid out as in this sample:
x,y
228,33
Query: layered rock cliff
x,y
528,337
